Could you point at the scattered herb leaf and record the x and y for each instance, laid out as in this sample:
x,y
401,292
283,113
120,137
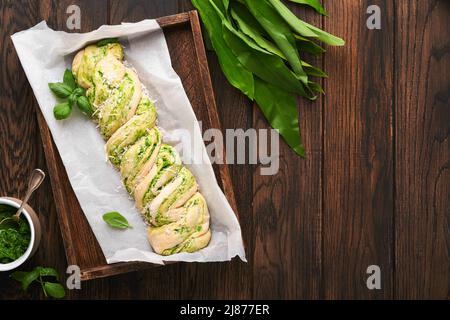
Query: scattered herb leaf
x,y
18,275
61,90
69,80
84,105
115,220
29,278
54,290
76,96
48,272
41,275
62,110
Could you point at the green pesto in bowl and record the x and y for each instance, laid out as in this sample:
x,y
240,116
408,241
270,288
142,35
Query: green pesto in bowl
x,y
14,237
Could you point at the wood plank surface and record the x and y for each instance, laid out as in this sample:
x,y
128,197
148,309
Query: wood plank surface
x,y
287,208
358,149
422,245
375,188
20,143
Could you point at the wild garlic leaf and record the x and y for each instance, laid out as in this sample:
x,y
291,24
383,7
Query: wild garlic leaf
x,y
250,26
303,28
226,4
316,87
313,71
234,71
280,33
270,68
280,109
284,13
249,41
306,45
314,4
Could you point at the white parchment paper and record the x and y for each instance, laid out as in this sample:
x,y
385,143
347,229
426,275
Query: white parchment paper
x,y
45,54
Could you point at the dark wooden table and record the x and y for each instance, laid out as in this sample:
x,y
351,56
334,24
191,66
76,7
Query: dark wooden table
x,y
374,190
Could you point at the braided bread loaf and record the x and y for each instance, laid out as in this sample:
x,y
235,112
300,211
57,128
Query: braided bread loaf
x,y
166,192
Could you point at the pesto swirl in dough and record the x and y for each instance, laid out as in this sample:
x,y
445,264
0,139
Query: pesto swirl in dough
x,y
166,192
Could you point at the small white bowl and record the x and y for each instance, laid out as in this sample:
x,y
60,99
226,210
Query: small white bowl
x,y
35,228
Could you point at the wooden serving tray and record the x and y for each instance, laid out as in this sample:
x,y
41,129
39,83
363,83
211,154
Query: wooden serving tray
x,y
184,38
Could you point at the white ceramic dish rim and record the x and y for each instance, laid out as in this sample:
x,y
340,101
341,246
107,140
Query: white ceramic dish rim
x,y
26,255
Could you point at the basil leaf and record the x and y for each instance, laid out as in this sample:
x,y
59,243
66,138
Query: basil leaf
x,y
280,33
69,80
104,42
314,4
62,110
61,90
29,278
54,290
48,272
18,275
84,105
280,109
115,220
234,71
79,91
72,99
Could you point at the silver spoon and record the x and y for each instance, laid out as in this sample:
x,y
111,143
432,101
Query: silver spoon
x,y
36,178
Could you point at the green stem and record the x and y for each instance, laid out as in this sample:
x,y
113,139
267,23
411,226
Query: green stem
x,y
42,286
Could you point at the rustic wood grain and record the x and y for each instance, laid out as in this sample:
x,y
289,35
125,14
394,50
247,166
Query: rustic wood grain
x,y
358,152
422,245
385,116
21,146
287,208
